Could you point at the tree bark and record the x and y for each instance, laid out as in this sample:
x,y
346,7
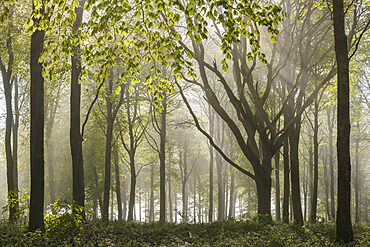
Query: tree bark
x,y
151,203
286,181
315,162
357,174
162,163
131,205
294,166
75,118
277,186
108,152
36,211
331,164
118,184
7,72
211,161
344,225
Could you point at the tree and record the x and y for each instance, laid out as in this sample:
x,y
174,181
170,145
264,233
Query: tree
x,y
343,223
36,213
8,79
76,137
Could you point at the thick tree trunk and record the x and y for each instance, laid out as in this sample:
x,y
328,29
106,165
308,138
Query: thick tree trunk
x,y
263,184
344,225
75,117
162,164
294,166
36,211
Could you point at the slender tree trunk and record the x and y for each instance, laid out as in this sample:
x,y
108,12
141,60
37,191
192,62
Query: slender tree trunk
x,y
331,164
310,171
108,152
162,164
344,225
124,197
315,162
36,211
151,204
15,142
286,182
232,195
118,184
6,78
131,206
170,193
277,185
326,184
50,111
357,175
210,209
76,137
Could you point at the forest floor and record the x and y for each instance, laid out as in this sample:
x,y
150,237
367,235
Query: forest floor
x,y
63,231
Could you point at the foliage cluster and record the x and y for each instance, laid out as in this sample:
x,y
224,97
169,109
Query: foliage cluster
x,y
245,232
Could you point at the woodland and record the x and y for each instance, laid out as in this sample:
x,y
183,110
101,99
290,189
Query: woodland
x,y
184,123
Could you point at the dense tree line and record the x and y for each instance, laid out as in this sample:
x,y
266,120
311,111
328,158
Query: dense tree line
x,y
186,112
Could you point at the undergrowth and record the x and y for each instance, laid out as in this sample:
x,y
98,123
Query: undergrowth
x,y
64,230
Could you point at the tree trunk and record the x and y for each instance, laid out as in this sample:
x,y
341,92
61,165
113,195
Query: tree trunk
x,y
151,204
315,162
357,175
232,195
108,152
277,186
131,206
210,209
263,184
75,116
162,164
344,225
170,193
294,166
326,184
118,184
6,78
286,181
36,211
331,164
15,142
124,197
